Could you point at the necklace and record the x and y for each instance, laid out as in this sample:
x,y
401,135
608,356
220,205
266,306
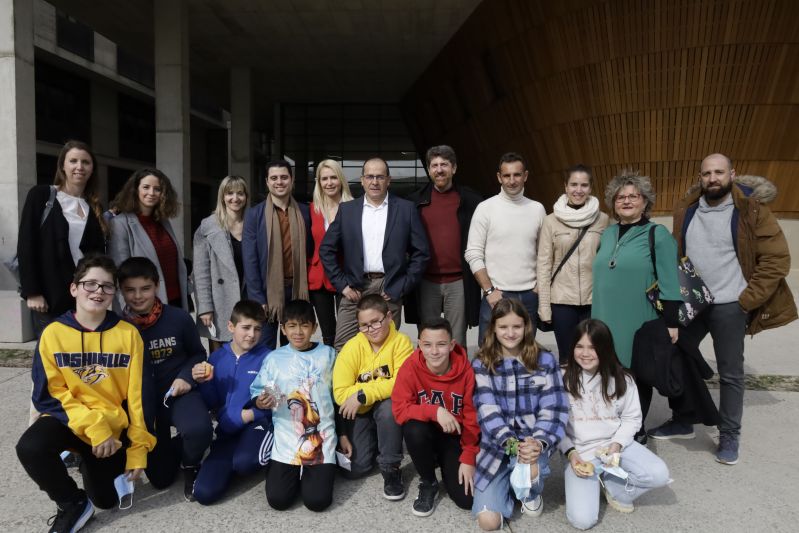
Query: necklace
x,y
619,243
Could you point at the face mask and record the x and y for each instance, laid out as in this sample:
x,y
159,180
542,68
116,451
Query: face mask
x,y
124,487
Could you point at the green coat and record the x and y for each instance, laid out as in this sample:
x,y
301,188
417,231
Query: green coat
x,y
619,297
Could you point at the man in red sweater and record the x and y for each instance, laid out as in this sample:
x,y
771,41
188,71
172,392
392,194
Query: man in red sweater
x,y
432,401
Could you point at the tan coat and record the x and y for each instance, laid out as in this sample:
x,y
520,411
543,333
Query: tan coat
x,y
574,282
762,253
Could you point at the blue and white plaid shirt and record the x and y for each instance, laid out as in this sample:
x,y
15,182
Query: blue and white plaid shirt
x,y
514,402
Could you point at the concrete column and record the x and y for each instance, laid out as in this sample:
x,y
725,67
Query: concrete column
x,y
172,128
17,151
240,161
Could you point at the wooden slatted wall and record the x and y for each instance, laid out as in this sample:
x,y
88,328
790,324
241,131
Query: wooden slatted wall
x,y
653,85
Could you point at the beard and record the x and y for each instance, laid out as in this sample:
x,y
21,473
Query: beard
x,y
717,194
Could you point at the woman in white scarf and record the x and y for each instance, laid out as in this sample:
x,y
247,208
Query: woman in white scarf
x,y
564,295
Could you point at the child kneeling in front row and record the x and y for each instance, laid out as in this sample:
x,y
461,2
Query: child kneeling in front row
x,y
605,413
522,409
243,432
295,382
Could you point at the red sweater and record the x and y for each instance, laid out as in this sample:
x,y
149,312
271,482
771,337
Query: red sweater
x,y
167,252
440,220
418,393
317,278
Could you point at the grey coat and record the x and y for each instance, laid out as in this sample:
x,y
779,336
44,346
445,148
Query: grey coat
x,y
128,239
216,281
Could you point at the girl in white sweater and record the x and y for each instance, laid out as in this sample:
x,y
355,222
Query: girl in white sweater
x,y
604,415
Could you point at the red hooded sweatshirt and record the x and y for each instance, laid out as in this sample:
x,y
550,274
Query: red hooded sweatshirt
x,y
418,393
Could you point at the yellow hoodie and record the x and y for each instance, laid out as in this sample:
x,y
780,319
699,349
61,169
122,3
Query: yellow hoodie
x,y
82,378
358,367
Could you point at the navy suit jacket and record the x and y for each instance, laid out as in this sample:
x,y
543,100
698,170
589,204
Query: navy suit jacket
x,y
255,249
405,248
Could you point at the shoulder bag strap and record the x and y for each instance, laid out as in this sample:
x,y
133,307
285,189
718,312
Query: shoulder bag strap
x,y
48,206
652,250
569,253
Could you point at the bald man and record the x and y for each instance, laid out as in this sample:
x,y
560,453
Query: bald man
x,y
737,245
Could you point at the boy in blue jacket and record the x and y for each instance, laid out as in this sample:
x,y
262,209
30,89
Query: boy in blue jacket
x,y
243,433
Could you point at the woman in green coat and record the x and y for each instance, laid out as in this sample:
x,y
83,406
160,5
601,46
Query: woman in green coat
x,y
623,268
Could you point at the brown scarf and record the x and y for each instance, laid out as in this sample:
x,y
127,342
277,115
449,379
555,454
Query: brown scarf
x,y
143,322
274,261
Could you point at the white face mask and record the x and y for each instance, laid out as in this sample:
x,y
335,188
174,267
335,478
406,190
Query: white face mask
x,y
124,487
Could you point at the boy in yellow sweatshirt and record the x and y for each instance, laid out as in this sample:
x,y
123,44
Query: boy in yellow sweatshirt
x,y
87,379
363,380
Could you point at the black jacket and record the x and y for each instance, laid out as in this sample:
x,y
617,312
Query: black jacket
x,y
471,290
45,261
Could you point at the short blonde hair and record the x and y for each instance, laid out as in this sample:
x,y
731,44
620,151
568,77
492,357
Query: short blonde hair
x,y
627,177
229,184
321,203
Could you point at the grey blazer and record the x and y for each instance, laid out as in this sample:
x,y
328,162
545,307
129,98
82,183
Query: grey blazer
x,y
216,281
128,239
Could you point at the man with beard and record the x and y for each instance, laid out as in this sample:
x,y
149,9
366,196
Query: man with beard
x,y
737,245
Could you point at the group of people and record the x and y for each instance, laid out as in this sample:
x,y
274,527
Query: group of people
x,y
110,386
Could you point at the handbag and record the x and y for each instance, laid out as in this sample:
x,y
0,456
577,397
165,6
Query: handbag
x,y
547,326
13,264
695,295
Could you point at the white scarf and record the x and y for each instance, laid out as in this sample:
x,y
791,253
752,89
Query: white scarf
x,y
576,218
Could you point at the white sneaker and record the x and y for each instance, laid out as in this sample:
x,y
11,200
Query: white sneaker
x,y
533,507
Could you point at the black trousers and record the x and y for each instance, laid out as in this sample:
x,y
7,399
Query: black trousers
x,y
325,303
283,484
429,447
39,450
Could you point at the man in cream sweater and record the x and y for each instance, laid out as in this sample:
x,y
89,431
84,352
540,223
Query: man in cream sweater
x,y
503,242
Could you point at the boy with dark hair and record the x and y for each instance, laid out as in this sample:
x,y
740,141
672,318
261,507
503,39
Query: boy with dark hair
x,y
362,383
295,382
172,347
432,400
243,432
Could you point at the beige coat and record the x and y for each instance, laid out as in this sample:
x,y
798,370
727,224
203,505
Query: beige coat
x,y
574,282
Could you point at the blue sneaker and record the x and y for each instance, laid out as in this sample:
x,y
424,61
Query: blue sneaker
x,y
727,452
673,430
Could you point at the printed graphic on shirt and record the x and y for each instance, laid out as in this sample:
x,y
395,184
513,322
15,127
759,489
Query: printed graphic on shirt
x,y
161,349
379,372
589,408
305,415
436,397
92,367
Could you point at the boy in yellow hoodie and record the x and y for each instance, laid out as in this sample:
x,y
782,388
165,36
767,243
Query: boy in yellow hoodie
x,y
87,378
363,379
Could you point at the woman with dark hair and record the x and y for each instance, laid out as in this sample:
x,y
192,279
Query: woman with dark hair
x,y
146,203
60,224
604,415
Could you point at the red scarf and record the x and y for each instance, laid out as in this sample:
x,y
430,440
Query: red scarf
x,y
144,321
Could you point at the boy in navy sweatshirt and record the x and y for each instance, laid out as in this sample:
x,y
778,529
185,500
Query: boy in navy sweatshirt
x,y
243,433
171,347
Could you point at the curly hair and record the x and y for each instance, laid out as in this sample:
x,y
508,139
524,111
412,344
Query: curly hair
x,y
127,200
90,190
627,177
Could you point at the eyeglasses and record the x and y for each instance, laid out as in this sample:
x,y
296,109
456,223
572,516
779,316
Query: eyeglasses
x,y
620,199
373,177
92,286
372,326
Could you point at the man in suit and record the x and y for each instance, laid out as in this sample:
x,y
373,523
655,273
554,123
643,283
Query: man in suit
x,y
275,244
382,245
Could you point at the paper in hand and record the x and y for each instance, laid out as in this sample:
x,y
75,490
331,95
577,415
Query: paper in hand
x,y
343,461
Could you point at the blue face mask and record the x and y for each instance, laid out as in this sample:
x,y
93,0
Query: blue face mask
x,y
124,487
520,480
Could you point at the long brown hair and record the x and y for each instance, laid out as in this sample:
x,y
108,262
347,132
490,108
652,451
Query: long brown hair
x,y
609,366
491,352
127,200
90,190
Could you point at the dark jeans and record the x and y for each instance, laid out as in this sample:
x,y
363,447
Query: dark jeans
x,y
283,484
528,298
373,434
269,335
325,303
39,450
429,447
564,321
189,414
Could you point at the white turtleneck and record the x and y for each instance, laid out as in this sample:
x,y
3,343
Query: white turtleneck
x,y
503,239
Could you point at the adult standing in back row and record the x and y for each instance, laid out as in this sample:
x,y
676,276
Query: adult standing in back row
x,y
502,249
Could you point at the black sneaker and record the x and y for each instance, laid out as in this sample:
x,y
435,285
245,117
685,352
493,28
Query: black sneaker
x,y
392,483
425,503
189,477
71,517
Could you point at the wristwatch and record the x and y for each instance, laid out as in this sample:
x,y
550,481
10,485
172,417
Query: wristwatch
x,y
361,397
490,290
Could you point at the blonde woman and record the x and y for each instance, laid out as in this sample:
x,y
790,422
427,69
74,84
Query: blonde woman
x,y
330,190
218,267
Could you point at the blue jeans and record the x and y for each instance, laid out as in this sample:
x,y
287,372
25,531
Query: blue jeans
x,y
528,298
498,496
646,472
564,321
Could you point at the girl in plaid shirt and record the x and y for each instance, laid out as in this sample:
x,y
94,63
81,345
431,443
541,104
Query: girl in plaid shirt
x,y
522,409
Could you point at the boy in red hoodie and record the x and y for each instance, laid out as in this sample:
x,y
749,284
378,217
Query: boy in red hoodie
x,y
432,401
